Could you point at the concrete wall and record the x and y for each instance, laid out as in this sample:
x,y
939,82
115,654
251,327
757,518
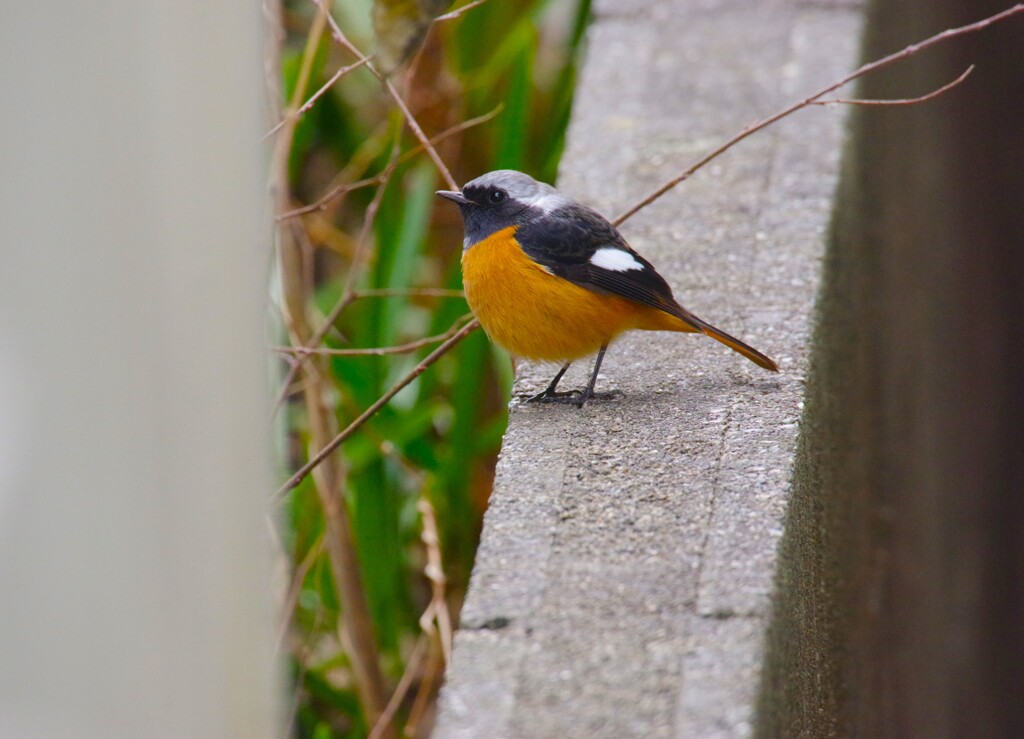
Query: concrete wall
x,y
900,603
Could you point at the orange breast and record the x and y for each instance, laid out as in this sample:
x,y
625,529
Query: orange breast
x,y
532,313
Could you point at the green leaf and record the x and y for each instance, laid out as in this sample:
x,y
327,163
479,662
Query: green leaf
x,y
514,124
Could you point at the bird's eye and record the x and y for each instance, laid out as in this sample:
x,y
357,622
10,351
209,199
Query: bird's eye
x,y
497,196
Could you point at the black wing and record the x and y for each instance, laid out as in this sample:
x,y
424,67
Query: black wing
x,y
570,242
566,241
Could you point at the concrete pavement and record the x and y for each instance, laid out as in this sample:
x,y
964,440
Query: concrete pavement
x,y
623,584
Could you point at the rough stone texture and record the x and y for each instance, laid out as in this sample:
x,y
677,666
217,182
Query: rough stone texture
x,y
900,606
622,585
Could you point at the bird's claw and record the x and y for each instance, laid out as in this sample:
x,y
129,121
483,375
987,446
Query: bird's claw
x,y
551,396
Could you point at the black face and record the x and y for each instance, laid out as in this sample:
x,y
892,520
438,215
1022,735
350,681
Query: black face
x,y
489,209
488,197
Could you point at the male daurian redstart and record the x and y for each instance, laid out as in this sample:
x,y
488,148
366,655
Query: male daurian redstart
x,y
550,279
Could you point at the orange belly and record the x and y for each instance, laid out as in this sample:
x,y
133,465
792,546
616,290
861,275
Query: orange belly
x,y
534,314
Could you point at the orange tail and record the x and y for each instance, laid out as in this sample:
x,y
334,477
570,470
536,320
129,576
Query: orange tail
x,y
732,342
761,360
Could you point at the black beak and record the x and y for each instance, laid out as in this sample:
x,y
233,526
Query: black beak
x,y
455,197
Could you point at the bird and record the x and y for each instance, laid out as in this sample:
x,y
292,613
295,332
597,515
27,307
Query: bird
x,y
551,279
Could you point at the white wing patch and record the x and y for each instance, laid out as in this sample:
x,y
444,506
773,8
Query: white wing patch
x,y
549,201
616,260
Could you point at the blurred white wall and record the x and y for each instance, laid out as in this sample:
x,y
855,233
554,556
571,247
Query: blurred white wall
x,y
133,406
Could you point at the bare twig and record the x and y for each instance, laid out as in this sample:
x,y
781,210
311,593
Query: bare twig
x,y
370,215
368,152
414,126
283,143
292,598
431,676
418,132
293,388
355,625
459,11
279,158
412,667
859,72
377,351
903,101
418,370
438,612
364,243
337,192
302,658
316,96
347,187
363,246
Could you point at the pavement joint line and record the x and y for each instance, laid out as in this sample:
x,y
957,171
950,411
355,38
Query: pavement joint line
x,y
715,489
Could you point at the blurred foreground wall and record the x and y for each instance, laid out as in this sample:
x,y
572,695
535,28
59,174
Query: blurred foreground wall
x,y
133,418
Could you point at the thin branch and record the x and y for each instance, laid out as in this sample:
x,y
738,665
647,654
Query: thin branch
x,y
414,126
347,187
411,669
860,72
903,101
431,676
363,246
377,351
284,142
418,132
459,11
292,598
279,178
355,624
334,443
346,298
294,116
337,192
302,658
438,582
364,156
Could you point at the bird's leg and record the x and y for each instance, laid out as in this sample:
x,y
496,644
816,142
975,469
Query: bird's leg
x,y
589,392
549,393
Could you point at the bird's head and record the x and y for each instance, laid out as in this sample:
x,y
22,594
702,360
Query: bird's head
x,y
500,199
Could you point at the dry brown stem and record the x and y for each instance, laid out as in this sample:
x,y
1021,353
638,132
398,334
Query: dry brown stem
x,y
899,101
414,126
437,612
377,351
292,597
315,96
459,11
364,244
412,667
355,625
347,187
418,370
436,625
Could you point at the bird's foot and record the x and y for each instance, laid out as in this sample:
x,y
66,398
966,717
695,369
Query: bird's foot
x,y
577,398
551,396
